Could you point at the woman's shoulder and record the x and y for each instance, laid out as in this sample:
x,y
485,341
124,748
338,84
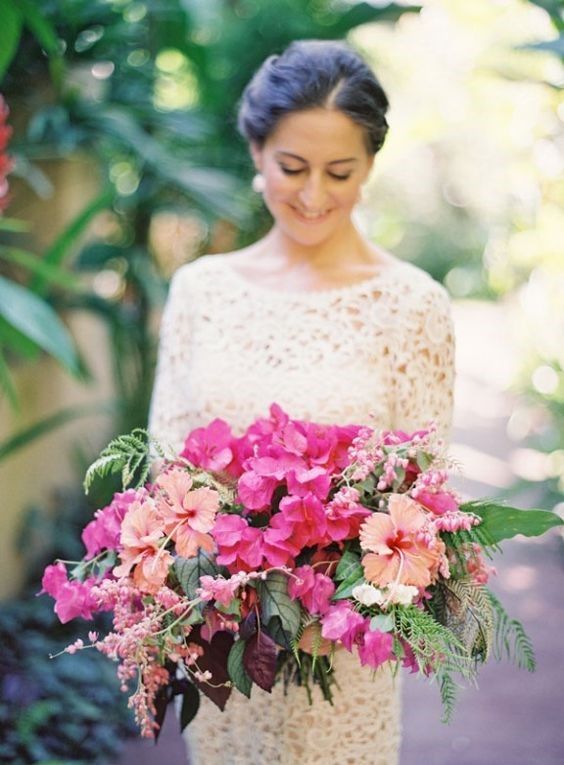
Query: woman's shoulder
x,y
196,270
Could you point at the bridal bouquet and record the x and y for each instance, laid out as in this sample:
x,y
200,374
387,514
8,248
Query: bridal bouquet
x,y
249,560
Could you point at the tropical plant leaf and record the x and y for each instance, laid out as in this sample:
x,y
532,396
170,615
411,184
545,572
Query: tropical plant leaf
x,y
36,265
236,668
348,565
10,32
259,660
275,602
344,590
189,571
503,522
35,318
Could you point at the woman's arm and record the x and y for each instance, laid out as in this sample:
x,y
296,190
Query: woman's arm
x,y
423,363
168,413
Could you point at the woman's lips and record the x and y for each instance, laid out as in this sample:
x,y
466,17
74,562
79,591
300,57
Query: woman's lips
x,y
310,219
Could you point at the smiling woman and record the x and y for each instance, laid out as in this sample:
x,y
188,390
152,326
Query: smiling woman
x,y
327,324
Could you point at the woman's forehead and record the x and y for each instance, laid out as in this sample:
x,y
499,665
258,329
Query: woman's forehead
x,y
322,133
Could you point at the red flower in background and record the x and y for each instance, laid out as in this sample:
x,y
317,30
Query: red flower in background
x,y
6,163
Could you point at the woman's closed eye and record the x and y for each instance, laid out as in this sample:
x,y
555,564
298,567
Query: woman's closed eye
x,y
289,171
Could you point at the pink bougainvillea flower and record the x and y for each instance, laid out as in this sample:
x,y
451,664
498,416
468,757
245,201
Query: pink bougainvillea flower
x,y
342,622
307,516
313,590
6,162
279,547
399,551
438,502
375,647
72,599
142,535
188,514
210,447
255,491
316,481
104,531
239,545
344,515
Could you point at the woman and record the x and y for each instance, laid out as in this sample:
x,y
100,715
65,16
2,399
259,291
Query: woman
x,y
332,328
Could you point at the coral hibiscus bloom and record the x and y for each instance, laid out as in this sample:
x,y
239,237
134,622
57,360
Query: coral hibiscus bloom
x,y
398,552
188,514
141,539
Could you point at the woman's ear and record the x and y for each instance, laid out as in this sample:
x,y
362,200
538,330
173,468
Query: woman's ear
x,y
256,154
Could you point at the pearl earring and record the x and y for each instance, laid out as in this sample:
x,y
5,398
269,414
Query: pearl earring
x,y
258,183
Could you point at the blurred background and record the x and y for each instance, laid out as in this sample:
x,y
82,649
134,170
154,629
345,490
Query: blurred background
x,y
119,161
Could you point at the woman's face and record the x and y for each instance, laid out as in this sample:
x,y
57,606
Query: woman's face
x,y
314,164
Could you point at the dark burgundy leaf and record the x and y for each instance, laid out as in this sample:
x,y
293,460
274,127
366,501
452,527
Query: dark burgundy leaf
x,y
259,660
216,653
248,626
190,705
162,699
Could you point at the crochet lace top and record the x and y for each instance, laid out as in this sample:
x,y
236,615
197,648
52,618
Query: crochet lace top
x,y
377,352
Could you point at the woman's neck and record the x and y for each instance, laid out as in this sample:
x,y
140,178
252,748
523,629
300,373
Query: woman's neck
x,y
346,248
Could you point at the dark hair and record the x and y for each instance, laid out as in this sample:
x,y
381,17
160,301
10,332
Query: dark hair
x,y
310,74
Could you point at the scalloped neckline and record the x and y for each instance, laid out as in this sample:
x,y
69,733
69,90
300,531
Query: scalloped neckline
x,y
337,290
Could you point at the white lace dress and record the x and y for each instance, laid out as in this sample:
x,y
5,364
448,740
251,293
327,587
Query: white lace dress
x,y
228,348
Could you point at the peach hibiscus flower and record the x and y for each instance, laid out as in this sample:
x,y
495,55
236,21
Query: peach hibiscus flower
x,y
188,514
402,547
142,538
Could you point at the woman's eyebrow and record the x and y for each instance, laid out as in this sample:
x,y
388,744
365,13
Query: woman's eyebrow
x,y
301,159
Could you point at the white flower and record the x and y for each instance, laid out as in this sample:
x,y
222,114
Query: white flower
x,y
368,595
401,593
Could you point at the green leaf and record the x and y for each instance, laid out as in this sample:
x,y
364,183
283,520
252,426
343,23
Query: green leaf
x,y
13,225
189,571
275,602
7,384
236,669
190,705
344,590
128,453
10,32
504,522
348,565
382,623
39,267
35,318
60,248
29,434
42,30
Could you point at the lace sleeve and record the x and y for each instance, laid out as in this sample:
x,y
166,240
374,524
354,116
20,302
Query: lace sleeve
x,y
168,412
423,364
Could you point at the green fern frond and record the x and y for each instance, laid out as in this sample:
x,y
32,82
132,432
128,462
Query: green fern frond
x,y
511,640
127,453
449,692
469,615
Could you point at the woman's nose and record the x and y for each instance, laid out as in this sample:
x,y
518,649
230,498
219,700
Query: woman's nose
x,y
312,194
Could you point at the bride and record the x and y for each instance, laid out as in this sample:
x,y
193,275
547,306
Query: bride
x,y
330,326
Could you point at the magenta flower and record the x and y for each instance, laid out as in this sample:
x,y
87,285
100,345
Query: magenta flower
x,y
315,481
279,547
313,590
375,648
438,502
72,599
342,622
104,531
307,516
255,491
210,447
6,162
239,545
